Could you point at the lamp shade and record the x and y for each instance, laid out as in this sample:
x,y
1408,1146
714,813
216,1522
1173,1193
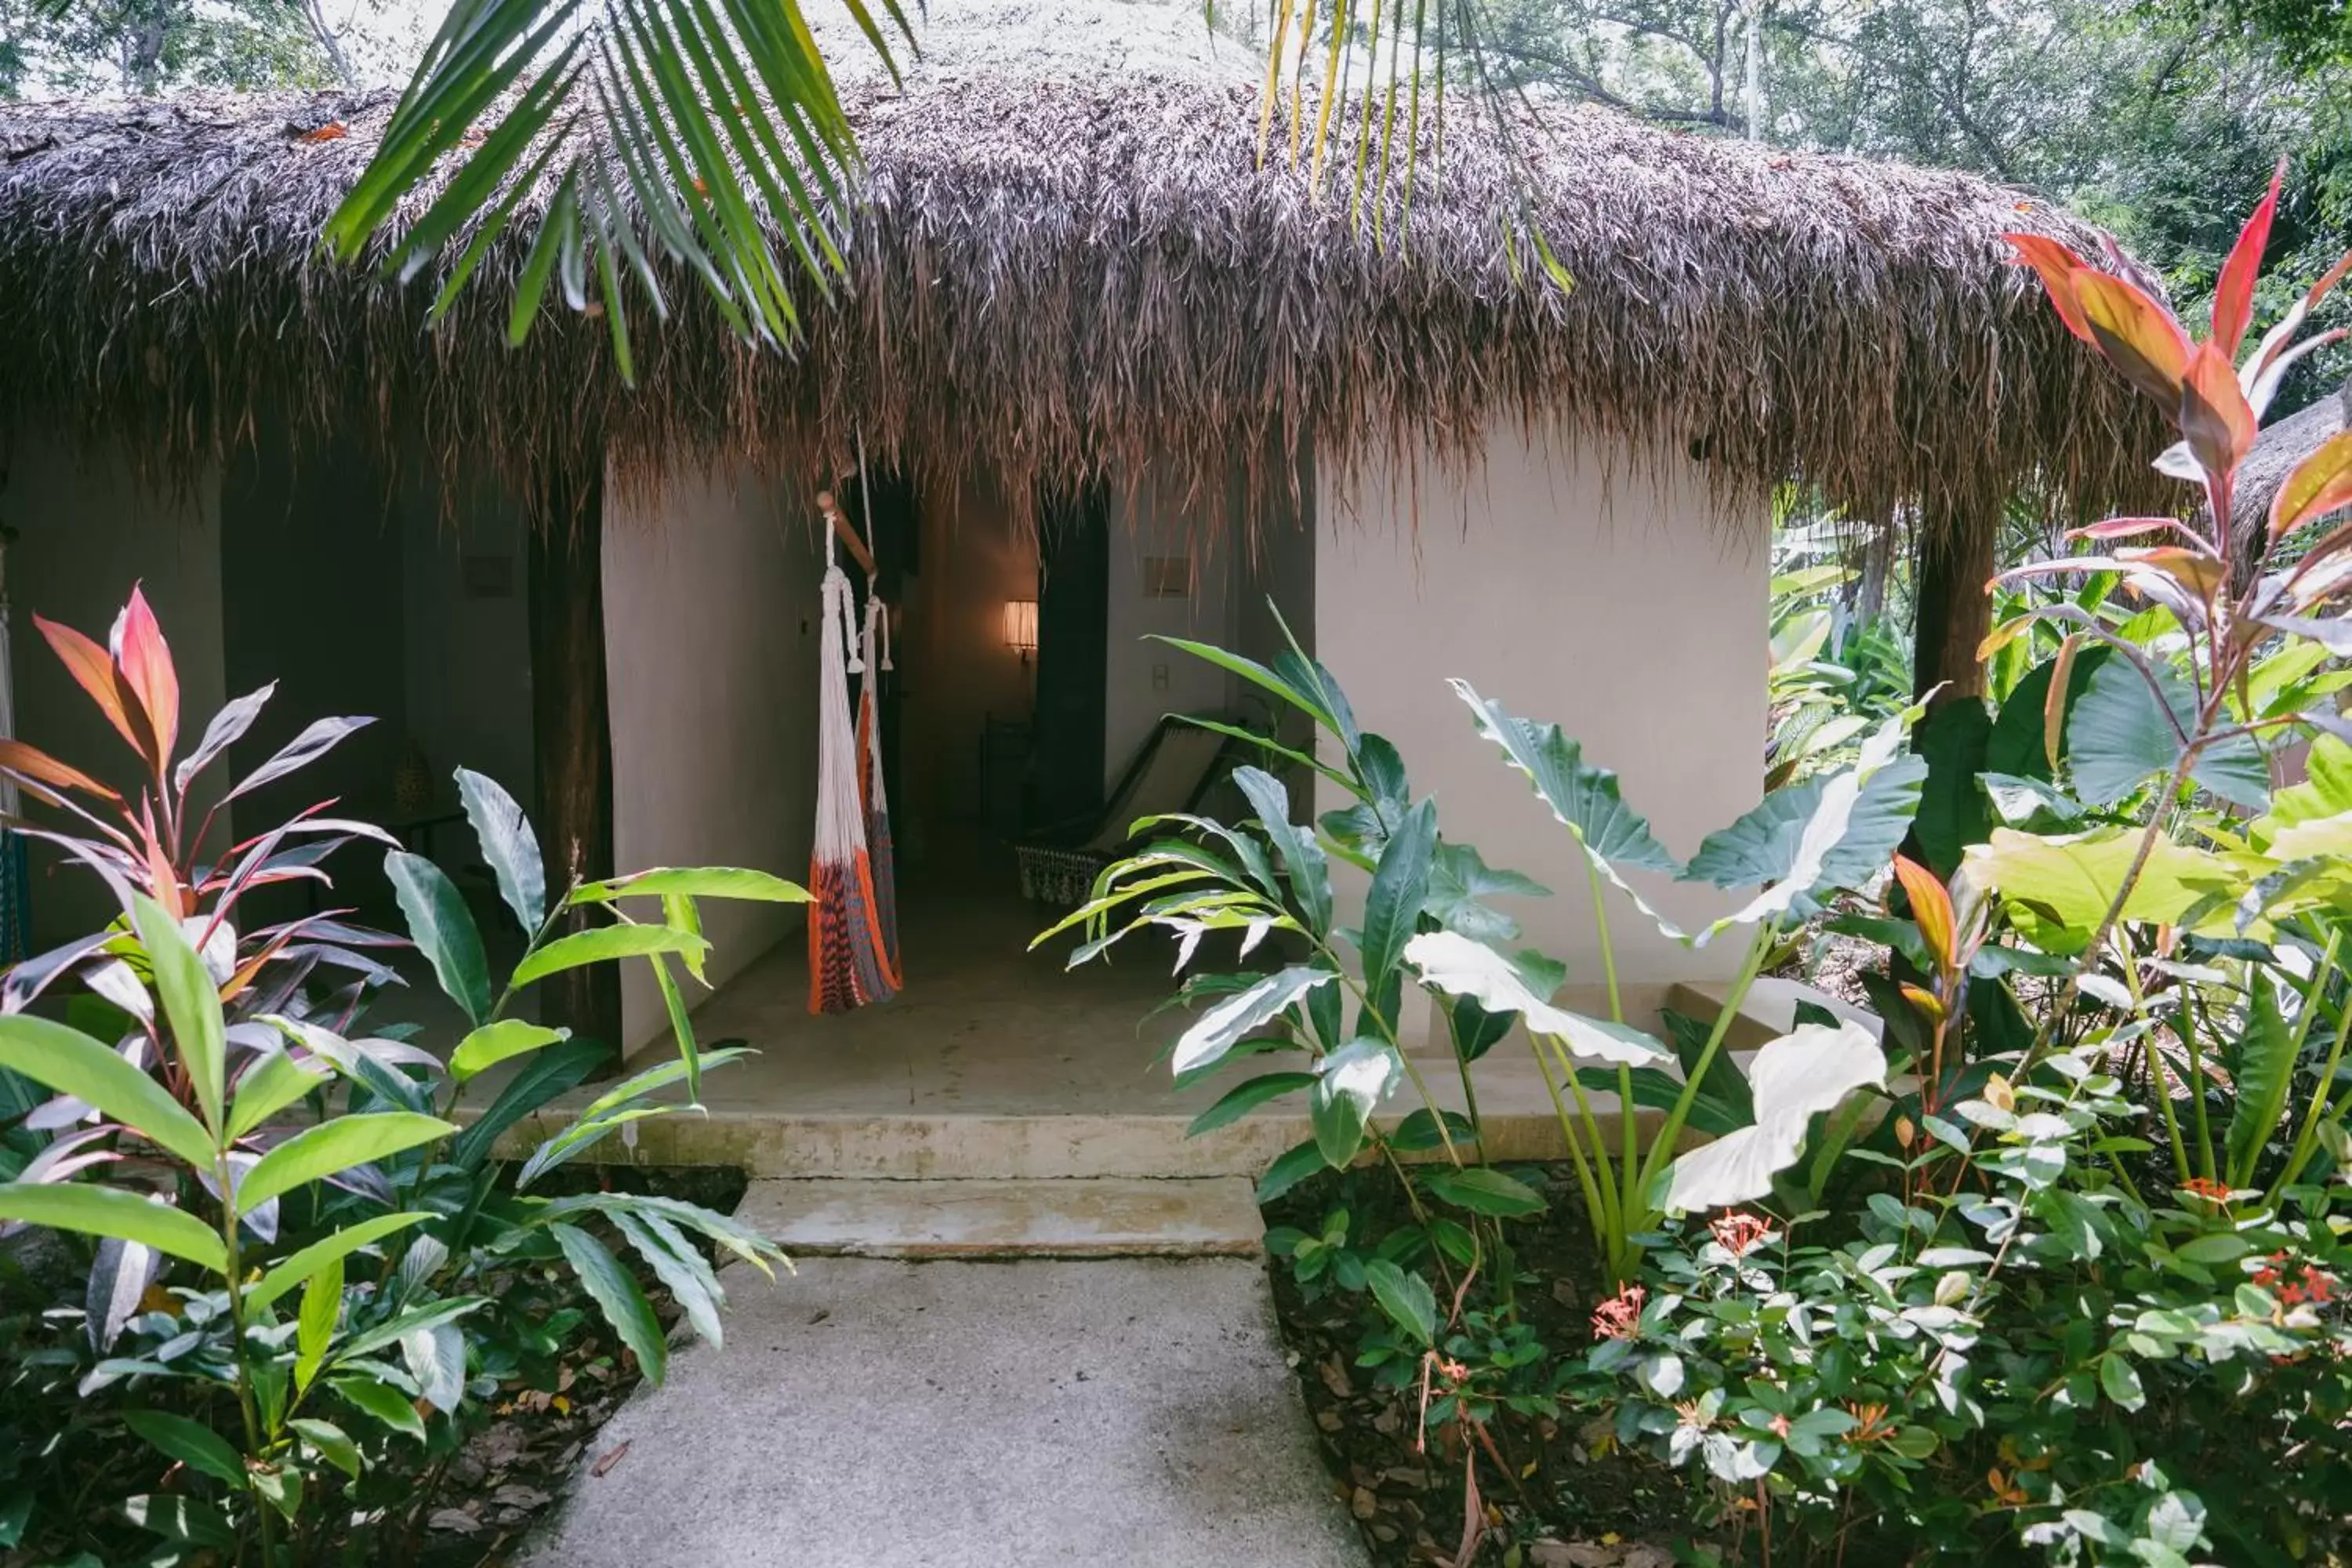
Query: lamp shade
x,y
1020,625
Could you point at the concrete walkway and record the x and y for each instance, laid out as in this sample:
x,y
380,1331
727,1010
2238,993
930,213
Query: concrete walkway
x,y
874,1413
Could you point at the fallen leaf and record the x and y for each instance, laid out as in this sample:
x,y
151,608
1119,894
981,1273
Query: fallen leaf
x,y
605,1461
455,1518
332,130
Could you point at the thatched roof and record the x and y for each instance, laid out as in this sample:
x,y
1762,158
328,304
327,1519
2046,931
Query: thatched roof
x,y
2282,445
1067,257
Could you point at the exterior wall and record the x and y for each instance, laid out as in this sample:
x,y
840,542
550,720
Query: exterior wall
x,y
1612,603
711,626
1142,679
86,533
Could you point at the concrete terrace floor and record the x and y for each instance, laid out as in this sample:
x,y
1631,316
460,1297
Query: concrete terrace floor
x,y
996,1062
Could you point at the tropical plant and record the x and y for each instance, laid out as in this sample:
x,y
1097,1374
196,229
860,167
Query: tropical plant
x,y
2107,1279
284,1211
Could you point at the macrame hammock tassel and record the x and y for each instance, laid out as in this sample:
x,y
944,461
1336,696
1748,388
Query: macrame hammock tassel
x,y
874,652
848,964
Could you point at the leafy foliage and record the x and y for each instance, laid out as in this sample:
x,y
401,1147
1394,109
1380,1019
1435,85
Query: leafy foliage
x,y
286,1213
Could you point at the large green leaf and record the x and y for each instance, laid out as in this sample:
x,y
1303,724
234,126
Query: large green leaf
x,y
509,847
553,1071
1460,880
296,1268
1246,1096
268,1087
71,1063
94,1210
2019,745
1302,859
2325,791
600,945
1215,1032
191,1001
1350,1085
1406,1297
2262,1069
1656,1089
1794,1077
694,883
443,930
386,1404
1482,1189
1392,907
415,1320
2069,880
1450,963
1584,798
1954,812
494,1043
336,1144
616,1295
2119,737
195,1444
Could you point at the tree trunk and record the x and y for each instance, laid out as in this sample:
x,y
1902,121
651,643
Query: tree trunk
x,y
571,739
1956,566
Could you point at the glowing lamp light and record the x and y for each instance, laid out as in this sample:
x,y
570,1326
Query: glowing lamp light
x,y
1020,625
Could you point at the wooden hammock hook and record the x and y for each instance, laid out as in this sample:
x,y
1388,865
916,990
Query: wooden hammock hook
x,y
848,535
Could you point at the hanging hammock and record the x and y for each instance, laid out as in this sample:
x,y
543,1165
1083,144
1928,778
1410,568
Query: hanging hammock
x,y
849,966
874,652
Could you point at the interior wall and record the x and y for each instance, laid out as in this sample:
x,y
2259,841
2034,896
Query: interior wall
x,y
1156,520
1619,605
956,667
86,533
710,626
465,605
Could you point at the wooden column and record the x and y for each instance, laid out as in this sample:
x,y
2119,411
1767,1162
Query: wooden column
x,y
1956,559
571,737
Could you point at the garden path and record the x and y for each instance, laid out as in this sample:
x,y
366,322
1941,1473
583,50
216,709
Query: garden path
x,y
891,1414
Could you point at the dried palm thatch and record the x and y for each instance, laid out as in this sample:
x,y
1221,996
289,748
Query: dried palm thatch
x,y
1067,261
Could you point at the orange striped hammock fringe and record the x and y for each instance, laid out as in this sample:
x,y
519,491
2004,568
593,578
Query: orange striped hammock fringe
x,y
874,652
850,962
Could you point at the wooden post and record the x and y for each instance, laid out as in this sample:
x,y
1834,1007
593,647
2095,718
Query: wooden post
x,y
1957,549
571,737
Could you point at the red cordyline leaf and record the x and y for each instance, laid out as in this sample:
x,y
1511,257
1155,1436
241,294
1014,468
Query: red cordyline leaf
x,y
1931,909
2216,420
2122,527
146,663
2282,331
2315,487
2138,335
2234,294
31,763
93,671
2057,266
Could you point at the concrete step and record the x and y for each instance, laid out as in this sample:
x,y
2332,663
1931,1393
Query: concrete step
x,y
1098,1218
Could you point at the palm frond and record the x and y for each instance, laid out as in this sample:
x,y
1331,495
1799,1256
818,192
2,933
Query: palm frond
x,y
620,133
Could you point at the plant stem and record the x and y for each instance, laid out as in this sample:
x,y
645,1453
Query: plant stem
x,y
2162,1095
1629,1149
1662,1147
1595,1206
2306,1138
1616,1217
225,1174
2197,1086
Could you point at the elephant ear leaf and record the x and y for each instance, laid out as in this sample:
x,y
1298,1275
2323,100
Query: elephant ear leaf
x,y
2264,1073
1583,798
1802,1073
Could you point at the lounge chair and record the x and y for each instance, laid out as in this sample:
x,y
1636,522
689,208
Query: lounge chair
x,y
1175,767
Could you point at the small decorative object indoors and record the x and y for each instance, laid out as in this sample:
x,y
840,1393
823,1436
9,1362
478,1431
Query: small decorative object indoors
x,y
412,782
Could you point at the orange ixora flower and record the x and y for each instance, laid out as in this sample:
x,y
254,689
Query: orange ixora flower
x,y
2207,1188
1617,1318
1739,1230
2297,1283
1870,1423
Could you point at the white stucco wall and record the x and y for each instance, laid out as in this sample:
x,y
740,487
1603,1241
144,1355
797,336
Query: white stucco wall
x,y
86,533
711,626
1619,606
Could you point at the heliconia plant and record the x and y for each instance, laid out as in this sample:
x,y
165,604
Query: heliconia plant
x,y
237,1144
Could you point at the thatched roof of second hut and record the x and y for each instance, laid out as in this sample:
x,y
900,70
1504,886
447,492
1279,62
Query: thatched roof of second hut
x,y
1068,259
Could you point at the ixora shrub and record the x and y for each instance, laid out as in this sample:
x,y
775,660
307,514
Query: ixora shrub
x,y
303,1274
